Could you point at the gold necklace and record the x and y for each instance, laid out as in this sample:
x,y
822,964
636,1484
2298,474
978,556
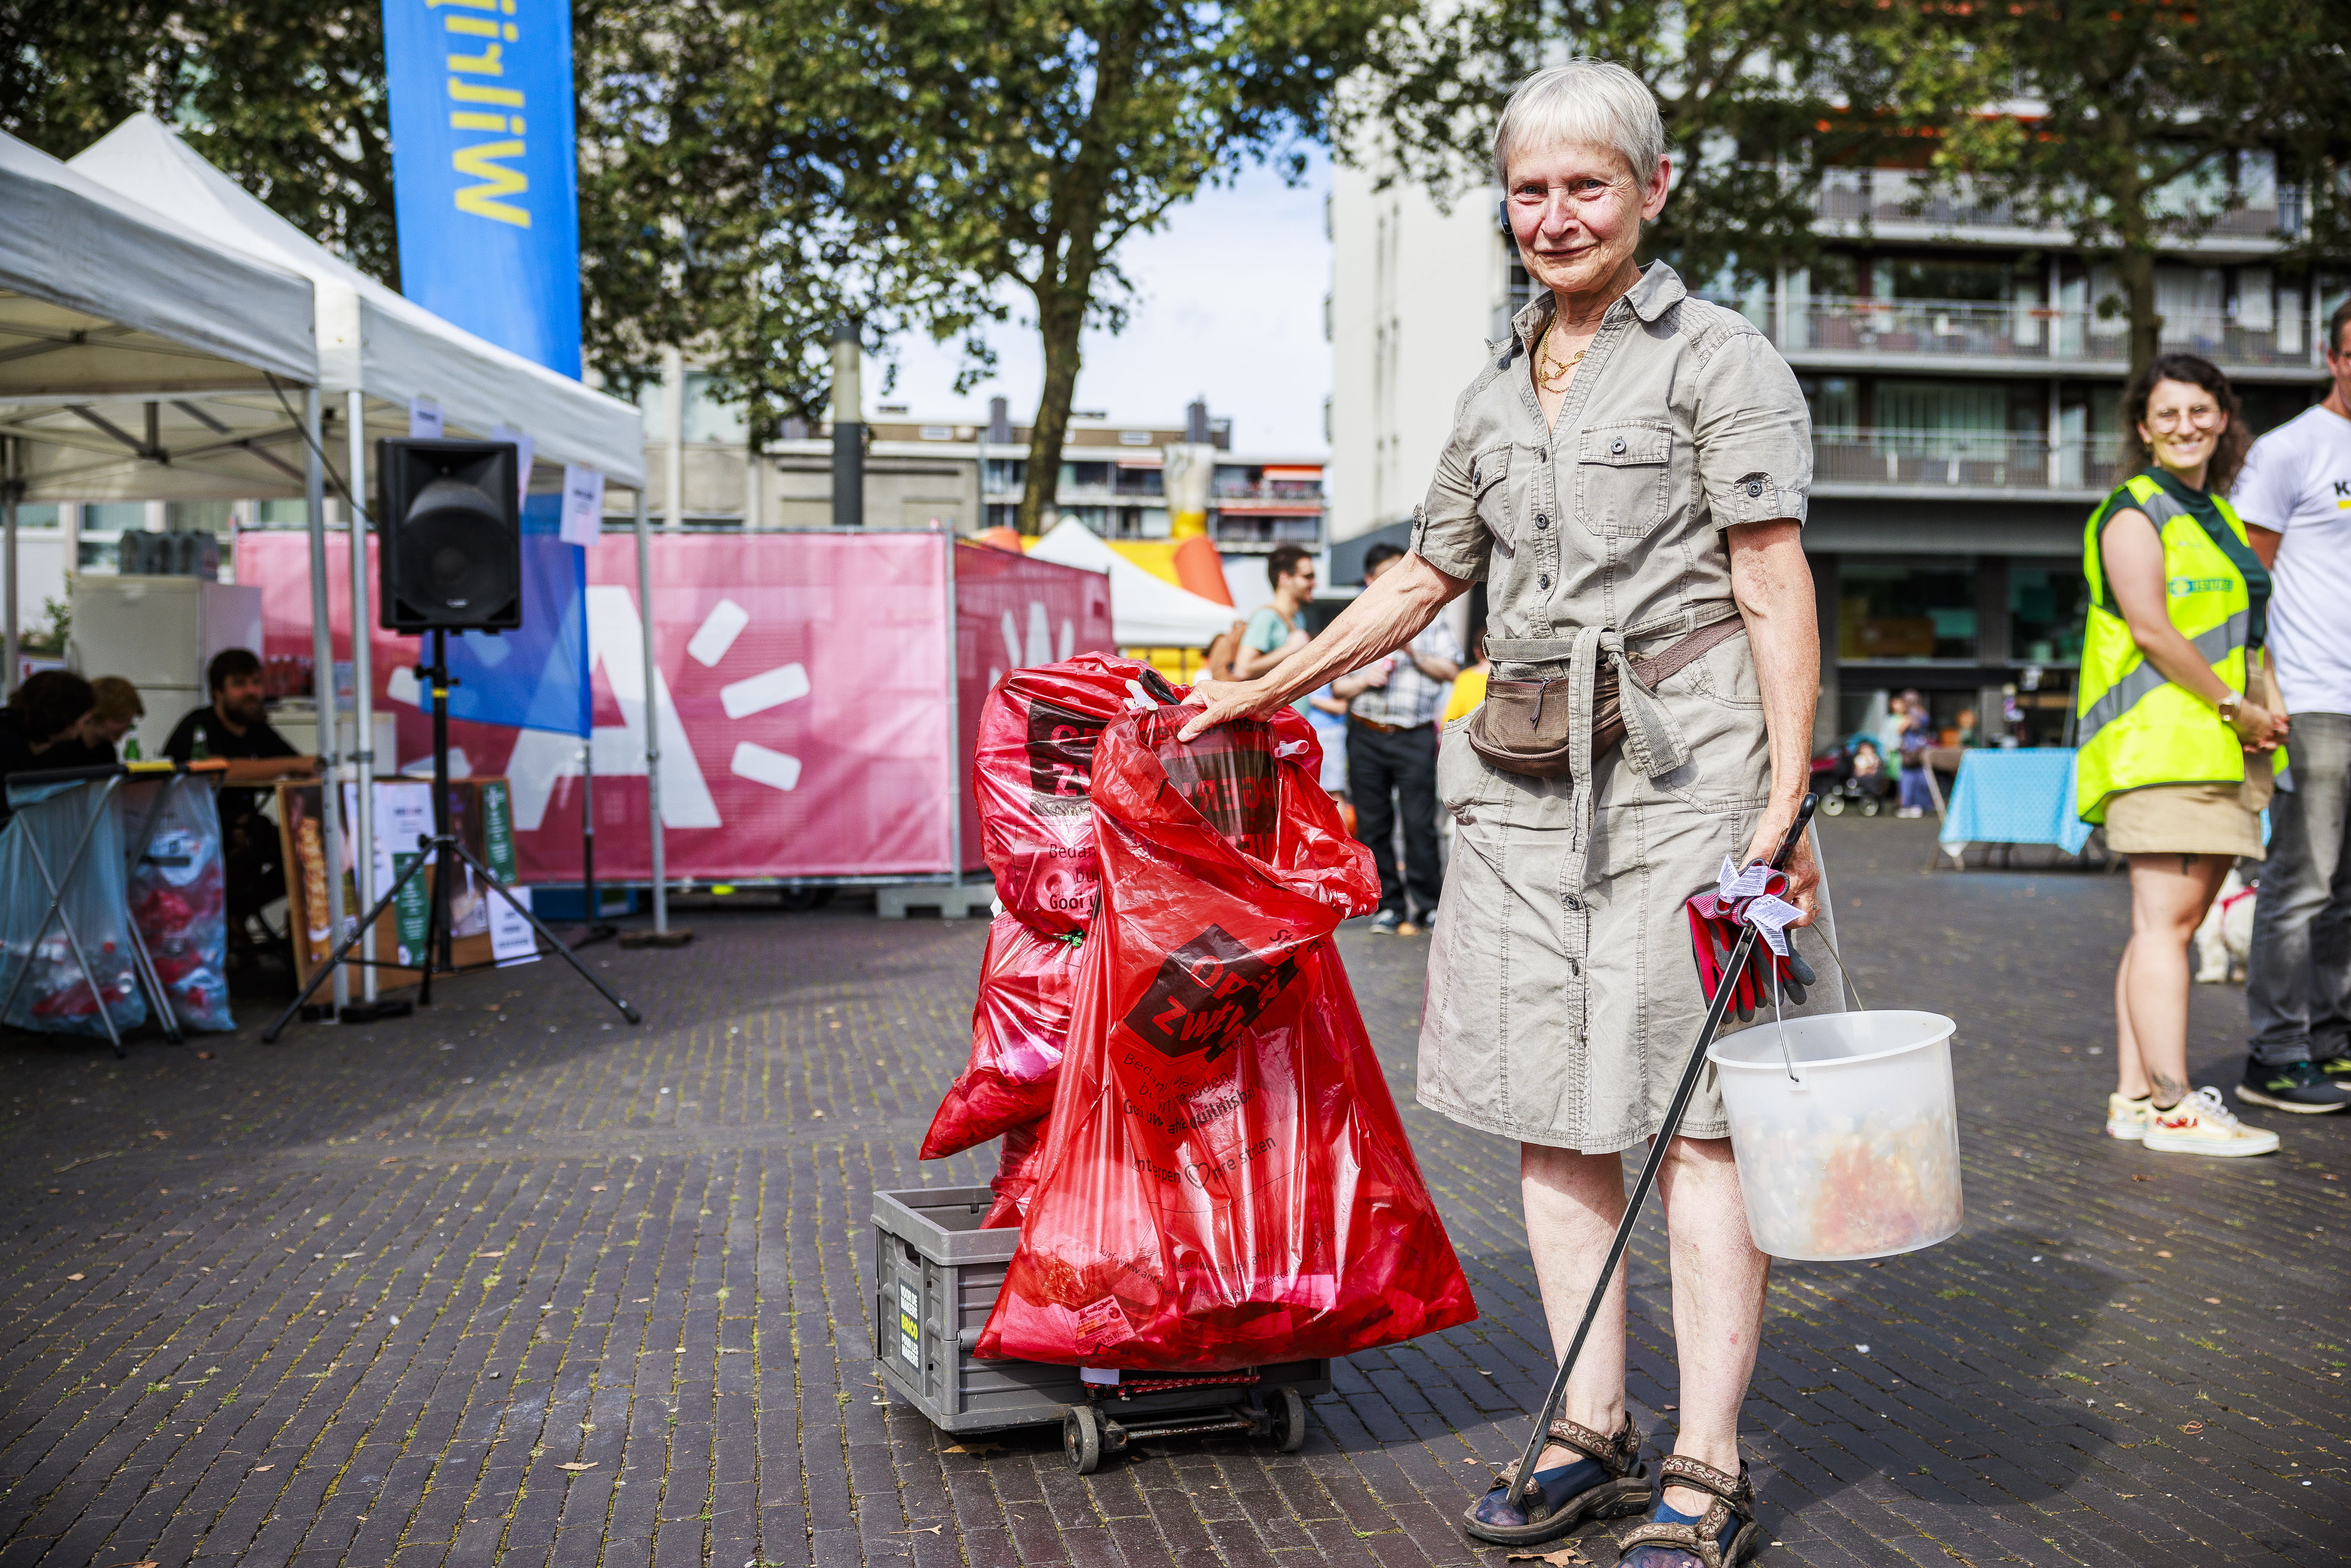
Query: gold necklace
x,y
1551,373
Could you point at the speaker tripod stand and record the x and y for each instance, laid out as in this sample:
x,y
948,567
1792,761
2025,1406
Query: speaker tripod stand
x,y
444,853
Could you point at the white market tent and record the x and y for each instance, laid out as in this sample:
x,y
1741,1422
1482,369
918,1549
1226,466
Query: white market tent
x,y
371,340
128,342
1145,611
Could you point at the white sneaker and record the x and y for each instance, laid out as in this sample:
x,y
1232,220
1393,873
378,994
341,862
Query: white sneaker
x,y
2126,1118
2204,1125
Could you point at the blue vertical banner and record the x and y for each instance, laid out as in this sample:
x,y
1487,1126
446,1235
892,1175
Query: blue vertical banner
x,y
486,185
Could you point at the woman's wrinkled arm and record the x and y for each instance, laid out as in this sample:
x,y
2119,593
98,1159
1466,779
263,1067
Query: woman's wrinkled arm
x,y
1382,618
1773,583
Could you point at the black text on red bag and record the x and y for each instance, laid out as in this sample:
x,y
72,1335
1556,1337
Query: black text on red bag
x,y
1062,744
1207,991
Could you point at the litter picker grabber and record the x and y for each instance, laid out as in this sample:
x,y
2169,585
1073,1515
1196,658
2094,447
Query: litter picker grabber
x,y
1524,1478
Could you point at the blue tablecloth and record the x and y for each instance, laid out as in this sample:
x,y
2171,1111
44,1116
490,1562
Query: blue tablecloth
x,y
2020,797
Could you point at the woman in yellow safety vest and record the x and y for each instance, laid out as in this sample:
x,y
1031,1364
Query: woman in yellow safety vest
x,y
2176,742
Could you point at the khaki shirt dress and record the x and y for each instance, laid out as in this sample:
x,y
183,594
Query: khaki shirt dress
x,y
1563,997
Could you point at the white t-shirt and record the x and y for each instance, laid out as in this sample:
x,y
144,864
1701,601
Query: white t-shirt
x,y
2297,482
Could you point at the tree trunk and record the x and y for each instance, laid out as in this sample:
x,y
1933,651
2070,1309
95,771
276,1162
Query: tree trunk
x,y
2136,267
1060,319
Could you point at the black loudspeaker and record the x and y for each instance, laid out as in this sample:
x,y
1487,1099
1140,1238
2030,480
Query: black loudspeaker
x,y
449,535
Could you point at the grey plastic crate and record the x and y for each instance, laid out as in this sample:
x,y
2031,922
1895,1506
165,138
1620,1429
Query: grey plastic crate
x,y
937,1274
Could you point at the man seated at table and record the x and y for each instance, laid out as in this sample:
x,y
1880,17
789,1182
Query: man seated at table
x,y
38,726
236,728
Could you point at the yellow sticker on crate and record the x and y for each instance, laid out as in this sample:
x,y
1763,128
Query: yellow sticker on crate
x,y
910,1325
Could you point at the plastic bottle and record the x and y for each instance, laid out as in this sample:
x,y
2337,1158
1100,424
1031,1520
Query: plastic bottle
x,y
201,751
131,750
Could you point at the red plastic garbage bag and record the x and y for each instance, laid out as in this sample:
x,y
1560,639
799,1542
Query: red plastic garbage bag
x,y
1016,1176
1030,771
1225,1181
1018,1027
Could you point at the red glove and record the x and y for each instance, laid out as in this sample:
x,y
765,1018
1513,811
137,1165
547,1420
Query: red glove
x,y
1715,924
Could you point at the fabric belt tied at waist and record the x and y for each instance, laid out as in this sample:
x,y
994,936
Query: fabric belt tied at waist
x,y
1376,725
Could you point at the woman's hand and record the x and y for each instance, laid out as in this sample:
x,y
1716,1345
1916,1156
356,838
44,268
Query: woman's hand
x,y
2258,727
1224,700
1804,870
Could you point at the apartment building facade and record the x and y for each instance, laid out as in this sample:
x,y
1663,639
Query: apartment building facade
x,y
1963,384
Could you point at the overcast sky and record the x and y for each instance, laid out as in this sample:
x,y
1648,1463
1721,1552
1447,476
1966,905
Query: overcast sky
x,y
1228,303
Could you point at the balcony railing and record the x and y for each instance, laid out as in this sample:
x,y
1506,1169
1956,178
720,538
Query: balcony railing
x,y
1898,196
1966,328
1288,492
1961,460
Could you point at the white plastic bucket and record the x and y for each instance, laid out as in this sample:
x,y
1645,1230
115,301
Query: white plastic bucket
x,y
1847,1131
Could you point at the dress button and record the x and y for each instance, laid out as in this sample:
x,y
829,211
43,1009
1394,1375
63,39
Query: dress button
x,y
1541,455
1617,448
1543,520
1473,476
1755,487
1574,902
1542,581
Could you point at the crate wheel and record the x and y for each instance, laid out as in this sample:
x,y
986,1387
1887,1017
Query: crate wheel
x,y
1081,1439
1289,1422
1869,806
1832,806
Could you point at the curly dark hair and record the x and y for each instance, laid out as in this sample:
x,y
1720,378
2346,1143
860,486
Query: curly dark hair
x,y
2227,453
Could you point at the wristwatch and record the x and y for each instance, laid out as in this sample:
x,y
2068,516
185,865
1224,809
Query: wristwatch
x,y
2228,708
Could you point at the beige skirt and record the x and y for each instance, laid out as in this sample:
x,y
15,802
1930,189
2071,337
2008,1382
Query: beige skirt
x,y
2184,819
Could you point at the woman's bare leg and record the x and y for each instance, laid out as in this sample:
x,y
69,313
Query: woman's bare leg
x,y
1573,1201
2131,1072
2169,894
1719,1284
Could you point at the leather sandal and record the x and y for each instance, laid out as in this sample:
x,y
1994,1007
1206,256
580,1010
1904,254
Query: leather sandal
x,y
1704,1544
1609,1482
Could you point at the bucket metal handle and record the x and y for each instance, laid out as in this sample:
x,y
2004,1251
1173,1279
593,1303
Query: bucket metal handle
x,y
1781,1023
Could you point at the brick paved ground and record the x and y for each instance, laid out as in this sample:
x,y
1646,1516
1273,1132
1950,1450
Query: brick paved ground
x,y
511,1281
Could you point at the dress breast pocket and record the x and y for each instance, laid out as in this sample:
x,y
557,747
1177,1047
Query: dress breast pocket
x,y
1489,490
1621,472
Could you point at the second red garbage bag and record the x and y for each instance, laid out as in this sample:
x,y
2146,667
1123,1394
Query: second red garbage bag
x,y
1225,1182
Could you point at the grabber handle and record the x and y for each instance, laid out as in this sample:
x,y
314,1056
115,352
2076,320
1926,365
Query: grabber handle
x,y
1795,830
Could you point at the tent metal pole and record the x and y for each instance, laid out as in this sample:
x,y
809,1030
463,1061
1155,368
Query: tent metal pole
x,y
322,685
10,487
363,666
652,713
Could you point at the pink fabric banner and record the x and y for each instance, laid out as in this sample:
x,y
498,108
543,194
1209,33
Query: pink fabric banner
x,y
807,728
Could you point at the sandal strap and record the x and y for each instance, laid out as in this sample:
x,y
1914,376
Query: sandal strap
x,y
1697,1540
1616,1455
1737,1491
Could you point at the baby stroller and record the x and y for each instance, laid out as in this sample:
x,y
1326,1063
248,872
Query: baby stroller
x,y
1852,777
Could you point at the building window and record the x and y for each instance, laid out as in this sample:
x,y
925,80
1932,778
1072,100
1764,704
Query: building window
x,y
2046,606
1004,473
1905,612
1085,475
1097,518
1004,514
1142,482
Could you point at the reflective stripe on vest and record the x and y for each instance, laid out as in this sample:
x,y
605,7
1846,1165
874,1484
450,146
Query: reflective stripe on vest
x,y
2136,730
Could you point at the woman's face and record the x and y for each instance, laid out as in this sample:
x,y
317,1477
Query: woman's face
x,y
1577,212
2182,426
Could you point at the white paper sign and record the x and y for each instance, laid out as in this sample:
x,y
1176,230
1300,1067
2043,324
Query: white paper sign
x,y
512,940
583,505
424,419
524,447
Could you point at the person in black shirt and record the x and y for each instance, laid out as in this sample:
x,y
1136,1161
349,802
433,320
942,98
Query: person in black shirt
x,y
37,727
116,710
236,730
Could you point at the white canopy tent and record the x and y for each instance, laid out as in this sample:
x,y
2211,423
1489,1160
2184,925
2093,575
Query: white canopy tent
x,y
380,352
1145,611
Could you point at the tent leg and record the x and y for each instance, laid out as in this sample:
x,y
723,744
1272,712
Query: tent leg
x,y
10,487
363,663
322,685
661,935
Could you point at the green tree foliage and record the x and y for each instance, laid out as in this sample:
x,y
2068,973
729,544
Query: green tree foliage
x,y
972,146
2138,124
285,95
1754,95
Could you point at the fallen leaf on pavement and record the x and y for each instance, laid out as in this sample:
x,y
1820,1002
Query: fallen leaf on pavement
x,y
2191,1427
2162,1254
389,1159
1569,1553
596,1189
2142,1178
588,1466
258,1469
977,1450
928,1529
203,1056
500,1254
73,1276
158,1133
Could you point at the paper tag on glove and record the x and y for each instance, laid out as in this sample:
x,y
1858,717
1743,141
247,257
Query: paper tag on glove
x,y
1771,916
1735,883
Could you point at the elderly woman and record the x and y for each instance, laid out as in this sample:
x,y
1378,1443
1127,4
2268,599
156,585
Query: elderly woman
x,y
1627,472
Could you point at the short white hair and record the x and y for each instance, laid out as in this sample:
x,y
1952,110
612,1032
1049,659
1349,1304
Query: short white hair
x,y
1584,103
